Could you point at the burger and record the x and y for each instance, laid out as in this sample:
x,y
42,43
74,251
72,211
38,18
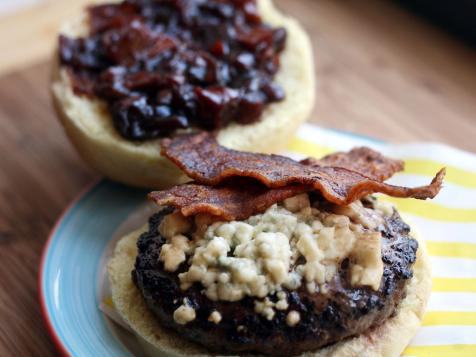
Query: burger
x,y
261,254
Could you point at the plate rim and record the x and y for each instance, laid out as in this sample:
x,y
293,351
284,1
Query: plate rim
x,y
57,341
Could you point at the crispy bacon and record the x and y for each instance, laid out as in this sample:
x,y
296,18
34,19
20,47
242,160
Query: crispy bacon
x,y
233,202
363,160
226,203
204,160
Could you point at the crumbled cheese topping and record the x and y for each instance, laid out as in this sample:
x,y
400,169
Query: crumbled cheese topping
x,y
184,313
215,317
173,224
289,245
293,318
173,253
358,213
368,266
267,307
384,208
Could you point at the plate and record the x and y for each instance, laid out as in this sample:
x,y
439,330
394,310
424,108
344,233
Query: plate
x,y
73,283
72,275
72,278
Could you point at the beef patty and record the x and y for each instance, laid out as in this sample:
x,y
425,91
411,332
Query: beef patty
x,y
326,318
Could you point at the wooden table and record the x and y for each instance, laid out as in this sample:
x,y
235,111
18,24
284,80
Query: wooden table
x,y
380,72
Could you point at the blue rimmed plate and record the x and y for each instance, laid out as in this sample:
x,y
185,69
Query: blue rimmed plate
x,y
72,276
72,271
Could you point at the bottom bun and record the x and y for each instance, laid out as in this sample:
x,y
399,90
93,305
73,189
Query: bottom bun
x,y
388,339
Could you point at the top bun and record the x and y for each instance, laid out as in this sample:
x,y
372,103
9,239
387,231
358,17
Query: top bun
x,y
88,123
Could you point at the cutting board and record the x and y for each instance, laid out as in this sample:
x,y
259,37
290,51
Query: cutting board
x,y
380,72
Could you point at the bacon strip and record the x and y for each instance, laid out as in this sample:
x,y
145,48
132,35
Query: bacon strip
x,y
363,160
225,203
204,160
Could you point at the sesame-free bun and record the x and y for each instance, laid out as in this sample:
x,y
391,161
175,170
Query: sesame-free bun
x,y
89,126
388,339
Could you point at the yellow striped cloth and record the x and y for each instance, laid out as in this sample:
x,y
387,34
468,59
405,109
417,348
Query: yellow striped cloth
x,y
448,223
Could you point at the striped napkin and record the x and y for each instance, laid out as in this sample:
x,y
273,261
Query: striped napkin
x,y
448,223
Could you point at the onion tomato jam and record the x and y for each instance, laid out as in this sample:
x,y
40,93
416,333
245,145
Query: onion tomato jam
x,y
166,65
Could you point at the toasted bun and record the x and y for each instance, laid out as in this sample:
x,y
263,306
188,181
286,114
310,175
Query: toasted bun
x,y
88,123
389,339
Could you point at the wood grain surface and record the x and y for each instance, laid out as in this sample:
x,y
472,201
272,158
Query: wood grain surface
x,y
380,72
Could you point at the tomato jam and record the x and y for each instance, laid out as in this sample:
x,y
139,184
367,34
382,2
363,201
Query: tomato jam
x,y
174,64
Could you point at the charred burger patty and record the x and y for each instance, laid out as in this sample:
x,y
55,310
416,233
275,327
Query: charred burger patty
x,y
310,320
